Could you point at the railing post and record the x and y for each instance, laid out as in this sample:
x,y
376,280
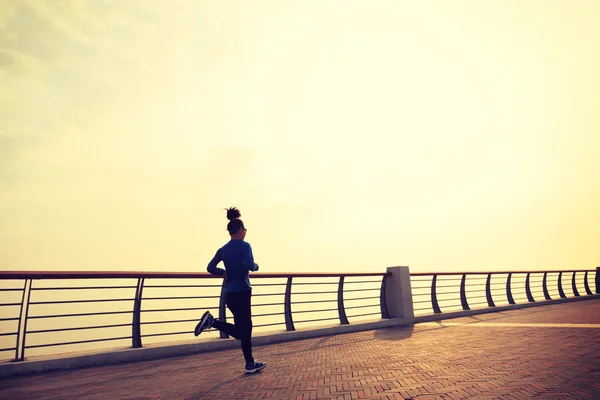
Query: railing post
x,y
488,291
545,287
223,309
574,285
434,302
383,297
509,295
340,302
398,294
597,280
287,306
561,292
586,284
463,293
136,331
22,324
528,289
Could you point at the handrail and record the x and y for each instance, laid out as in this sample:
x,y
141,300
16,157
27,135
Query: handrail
x,y
167,275
495,272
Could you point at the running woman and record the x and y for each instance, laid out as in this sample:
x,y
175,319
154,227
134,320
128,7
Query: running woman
x,y
237,257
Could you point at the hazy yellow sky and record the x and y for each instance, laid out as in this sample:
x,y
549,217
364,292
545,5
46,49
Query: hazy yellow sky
x,y
353,135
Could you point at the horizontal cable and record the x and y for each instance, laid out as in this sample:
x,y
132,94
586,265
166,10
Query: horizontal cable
x,y
79,301
363,315
271,324
82,287
309,311
363,298
79,328
316,320
312,301
332,292
169,321
181,298
77,342
11,290
361,290
8,334
166,334
10,304
176,309
268,284
259,315
267,315
79,315
180,286
268,304
8,349
370,305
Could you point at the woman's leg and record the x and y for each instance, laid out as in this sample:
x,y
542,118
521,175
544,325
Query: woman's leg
x,y
239,305
245,322
227,328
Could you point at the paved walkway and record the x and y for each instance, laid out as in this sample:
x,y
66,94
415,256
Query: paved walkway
x,y
550,352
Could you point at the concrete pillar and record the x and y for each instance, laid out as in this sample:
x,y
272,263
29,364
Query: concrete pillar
x,y
398,293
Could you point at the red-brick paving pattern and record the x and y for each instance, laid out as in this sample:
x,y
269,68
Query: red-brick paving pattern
x,y
428,361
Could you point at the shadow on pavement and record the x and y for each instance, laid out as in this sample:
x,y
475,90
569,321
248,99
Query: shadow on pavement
x,y
395,333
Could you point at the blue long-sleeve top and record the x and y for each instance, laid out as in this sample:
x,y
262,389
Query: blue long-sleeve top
x,y
239,261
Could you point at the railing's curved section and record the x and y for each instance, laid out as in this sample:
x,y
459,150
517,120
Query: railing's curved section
x,y
463,293
509,295
587,286
382,298
68,297
136,331
574,284
528,289
496,293
340,299
434,301
545,287
488,291
289,321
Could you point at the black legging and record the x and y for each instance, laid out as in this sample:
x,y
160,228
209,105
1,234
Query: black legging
x,y
239,305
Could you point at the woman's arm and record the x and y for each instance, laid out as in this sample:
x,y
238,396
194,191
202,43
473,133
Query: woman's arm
x,y
248,258
212,265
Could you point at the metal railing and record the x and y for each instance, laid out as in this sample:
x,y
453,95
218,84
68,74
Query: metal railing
x,y
136,306
140,300
432,289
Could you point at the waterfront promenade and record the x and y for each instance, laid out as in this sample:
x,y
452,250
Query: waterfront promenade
x,y
547,352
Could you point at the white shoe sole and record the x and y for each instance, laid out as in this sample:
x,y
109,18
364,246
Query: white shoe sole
x,y
198,331
254,370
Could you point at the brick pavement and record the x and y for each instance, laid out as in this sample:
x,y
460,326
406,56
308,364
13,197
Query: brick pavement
x,y
549,352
